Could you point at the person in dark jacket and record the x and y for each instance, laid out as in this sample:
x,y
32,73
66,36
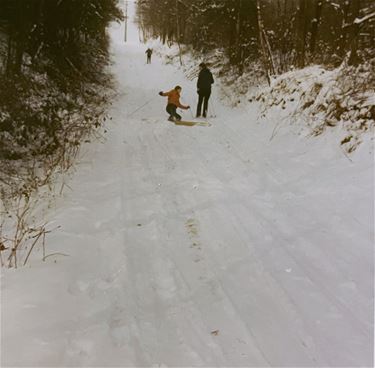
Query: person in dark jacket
x,y
205,80
173,103
149,54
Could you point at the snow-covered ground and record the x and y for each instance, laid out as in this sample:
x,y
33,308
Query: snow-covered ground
x,y
235,244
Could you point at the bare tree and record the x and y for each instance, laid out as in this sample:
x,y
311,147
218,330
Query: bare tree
x,y
315,25
301,33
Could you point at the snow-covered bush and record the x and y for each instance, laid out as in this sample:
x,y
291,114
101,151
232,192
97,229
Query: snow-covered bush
x,y
343,97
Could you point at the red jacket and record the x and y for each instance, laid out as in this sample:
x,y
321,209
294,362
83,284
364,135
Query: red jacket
x,y
174,99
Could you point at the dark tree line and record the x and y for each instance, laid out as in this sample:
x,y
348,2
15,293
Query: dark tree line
x,y
53,30
281,33
52,54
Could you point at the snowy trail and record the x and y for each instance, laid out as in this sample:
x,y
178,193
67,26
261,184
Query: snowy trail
x,y
199,246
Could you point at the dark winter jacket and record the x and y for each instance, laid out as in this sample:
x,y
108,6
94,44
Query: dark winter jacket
x,y
205,79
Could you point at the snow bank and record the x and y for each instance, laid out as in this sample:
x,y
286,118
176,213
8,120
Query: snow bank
x,y
324,99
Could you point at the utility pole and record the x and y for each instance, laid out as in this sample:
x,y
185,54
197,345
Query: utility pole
x,y
126,21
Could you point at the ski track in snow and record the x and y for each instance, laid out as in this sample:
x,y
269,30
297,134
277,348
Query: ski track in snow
x,y
199,246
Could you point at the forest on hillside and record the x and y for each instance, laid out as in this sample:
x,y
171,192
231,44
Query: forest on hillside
x,y
279,33
53,56
55,88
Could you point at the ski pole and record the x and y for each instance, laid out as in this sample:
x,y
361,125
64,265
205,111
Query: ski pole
x,y
141,107
213,109
191,112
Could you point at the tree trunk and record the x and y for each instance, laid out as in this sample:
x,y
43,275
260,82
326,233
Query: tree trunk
x,y
263,44
238,39
178,33
354,33
283,42
9,59
18,57
301,34
315,25
344,35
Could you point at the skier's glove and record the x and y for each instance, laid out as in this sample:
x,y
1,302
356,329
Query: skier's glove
x,y
160,93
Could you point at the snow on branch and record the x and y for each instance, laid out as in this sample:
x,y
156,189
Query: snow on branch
x,y
365,18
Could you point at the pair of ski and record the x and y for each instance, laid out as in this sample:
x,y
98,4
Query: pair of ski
x,y
190,123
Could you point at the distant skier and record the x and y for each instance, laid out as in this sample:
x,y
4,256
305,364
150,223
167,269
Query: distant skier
x,y
205,80
173,103
149,54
